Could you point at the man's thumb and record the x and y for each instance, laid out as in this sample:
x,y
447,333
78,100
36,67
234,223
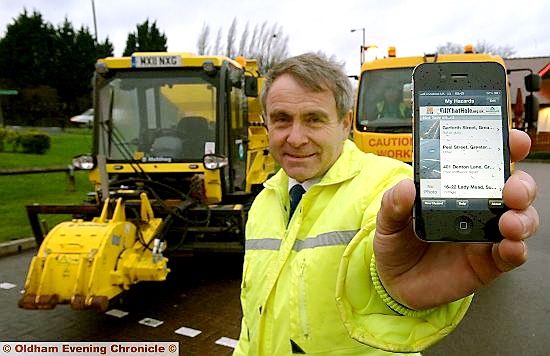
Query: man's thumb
x,y
396,208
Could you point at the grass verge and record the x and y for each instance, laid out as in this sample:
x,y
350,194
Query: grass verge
x,y
17,191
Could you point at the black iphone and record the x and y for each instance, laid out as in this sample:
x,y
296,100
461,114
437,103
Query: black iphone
x,y
460,149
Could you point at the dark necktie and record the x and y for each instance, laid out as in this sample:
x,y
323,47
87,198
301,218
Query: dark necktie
x,y
295,193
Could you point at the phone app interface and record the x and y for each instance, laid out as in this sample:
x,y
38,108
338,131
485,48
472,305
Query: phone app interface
x,y
461,149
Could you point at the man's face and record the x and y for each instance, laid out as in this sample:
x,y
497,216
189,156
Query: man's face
x,y
305,135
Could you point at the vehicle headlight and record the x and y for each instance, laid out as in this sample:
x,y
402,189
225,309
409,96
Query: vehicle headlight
x,y
214,161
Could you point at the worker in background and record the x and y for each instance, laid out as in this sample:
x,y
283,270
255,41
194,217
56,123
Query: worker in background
x,y
392,105
339,271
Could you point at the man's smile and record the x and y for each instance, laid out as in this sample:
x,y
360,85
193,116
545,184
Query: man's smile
x,y
299,155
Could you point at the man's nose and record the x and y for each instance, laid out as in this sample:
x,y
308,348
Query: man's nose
x,y
297,135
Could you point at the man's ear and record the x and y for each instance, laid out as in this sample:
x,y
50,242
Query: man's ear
x,y
347,123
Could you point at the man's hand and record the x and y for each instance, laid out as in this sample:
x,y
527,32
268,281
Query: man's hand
x,y
421,275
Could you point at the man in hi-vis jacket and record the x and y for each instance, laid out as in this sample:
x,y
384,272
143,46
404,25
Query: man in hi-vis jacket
x,y
344,274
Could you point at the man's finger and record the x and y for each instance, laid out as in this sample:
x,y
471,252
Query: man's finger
x,y
508,255
520,143
519,224
519,191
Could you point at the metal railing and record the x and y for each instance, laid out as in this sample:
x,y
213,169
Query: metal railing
x,y
69,170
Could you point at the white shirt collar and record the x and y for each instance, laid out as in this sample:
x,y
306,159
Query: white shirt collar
x,y
305,184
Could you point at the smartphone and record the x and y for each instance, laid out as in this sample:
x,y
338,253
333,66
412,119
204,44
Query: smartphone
x,y
460,149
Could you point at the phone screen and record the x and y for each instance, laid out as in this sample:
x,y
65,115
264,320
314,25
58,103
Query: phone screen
x,y
461,148
461,163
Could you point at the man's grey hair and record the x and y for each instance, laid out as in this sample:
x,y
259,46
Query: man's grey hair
x,y
317,74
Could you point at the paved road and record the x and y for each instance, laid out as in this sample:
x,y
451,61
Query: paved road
x,y
195,296
509,317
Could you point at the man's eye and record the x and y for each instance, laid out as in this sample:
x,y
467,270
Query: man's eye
x,y
315,119
280,119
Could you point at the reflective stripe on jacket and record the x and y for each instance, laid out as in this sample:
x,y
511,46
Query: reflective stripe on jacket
x,y
310,281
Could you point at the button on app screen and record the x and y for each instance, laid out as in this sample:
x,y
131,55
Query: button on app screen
x,y
461,148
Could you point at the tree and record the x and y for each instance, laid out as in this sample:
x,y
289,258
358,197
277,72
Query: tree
x,y
77,56
28,56
217,49
244,39
479,47
449,48
267,44
28,52
503,51
231,36
51,68
78,52
105,49
146,39
202,42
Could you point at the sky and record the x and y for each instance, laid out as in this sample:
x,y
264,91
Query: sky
x,y
413,27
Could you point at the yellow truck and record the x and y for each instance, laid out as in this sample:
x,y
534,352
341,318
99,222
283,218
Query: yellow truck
x,y
179,152
383,112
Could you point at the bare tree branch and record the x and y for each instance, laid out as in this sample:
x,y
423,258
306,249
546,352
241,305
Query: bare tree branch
x,y
202,42
480,47
267,44
218,44
231,35
244,39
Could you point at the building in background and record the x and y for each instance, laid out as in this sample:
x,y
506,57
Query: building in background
x,y
540,66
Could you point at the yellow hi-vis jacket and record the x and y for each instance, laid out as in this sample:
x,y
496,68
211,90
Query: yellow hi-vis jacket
x,y
310,285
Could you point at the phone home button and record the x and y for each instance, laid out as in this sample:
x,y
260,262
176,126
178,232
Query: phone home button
x,y
463,224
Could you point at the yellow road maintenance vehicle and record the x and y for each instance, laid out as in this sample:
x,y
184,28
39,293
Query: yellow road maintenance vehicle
x,y
179,152
383,110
